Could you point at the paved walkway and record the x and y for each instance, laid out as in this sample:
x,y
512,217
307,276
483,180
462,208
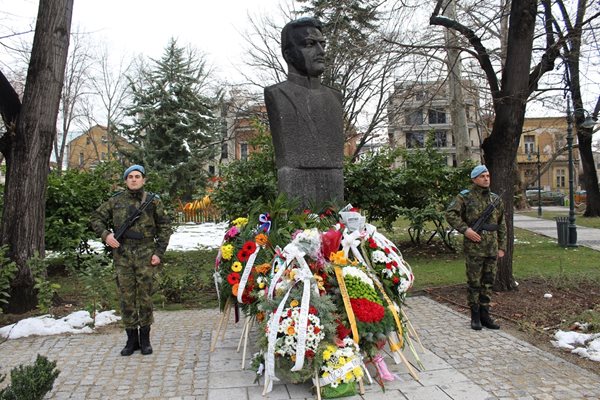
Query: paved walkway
x,y
460,364
588,237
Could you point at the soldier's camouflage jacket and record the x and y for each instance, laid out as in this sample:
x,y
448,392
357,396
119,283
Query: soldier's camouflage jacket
x,y
466,208
153,224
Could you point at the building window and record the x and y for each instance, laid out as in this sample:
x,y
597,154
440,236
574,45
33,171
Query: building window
x,y
224,152
88,140
440,139
104,139
415,139
529,143
103,156
560,178
421,95
211,169
80,159
414,117
244,151
437,117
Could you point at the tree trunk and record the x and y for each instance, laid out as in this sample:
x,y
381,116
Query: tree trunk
x,y
509,105
590,177
28,148
458,113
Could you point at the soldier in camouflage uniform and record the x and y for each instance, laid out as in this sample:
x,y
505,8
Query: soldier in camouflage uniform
x,y
481,249
136,254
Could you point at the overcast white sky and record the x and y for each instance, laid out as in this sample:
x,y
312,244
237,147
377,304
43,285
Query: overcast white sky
x,y
132,27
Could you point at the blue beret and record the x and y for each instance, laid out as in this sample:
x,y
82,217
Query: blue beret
x,y
478,170
133,168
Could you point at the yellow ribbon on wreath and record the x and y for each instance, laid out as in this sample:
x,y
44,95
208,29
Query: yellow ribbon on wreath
x,y
347,305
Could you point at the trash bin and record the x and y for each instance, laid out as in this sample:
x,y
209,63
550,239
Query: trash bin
x,y
562,227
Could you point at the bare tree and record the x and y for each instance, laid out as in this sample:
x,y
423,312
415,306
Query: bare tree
x,y
574,29
27,144
109,96
75,89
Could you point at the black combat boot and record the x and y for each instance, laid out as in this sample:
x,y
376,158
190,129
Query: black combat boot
x,y
145,340
486,320
475,321
133,342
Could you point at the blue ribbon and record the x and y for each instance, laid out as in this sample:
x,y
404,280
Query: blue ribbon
x,y
265,220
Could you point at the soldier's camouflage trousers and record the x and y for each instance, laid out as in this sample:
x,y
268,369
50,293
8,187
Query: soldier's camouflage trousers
x,y
134,280
481,272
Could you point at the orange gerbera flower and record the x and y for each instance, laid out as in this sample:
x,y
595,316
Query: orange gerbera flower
x,y
234,289
260,316
261,239
263,268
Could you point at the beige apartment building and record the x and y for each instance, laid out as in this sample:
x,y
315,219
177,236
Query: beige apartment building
x,y
93,147
547,137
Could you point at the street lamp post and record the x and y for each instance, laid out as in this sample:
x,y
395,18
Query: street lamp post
x,y
539,176
572,237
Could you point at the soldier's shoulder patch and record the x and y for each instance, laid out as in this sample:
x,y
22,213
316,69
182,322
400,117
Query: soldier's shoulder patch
x,y
154,195
464,192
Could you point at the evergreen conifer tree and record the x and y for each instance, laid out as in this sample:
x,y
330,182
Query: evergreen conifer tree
x,y
173,124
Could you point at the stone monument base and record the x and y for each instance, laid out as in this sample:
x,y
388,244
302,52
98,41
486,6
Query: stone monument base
x,y
312,186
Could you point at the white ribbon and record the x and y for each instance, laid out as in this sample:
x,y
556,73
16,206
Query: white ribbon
x,y
217,276
351,241
292,252
246,274
272,340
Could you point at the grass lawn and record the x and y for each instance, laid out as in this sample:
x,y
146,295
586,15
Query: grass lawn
x,y
534,255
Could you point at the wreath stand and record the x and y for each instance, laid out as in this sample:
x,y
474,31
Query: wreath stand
x,y
248,323
221,324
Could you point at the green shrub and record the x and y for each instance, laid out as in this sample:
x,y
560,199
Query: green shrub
x,y
71,198
426,186
8,270
45,289
31,382
95,272
372,185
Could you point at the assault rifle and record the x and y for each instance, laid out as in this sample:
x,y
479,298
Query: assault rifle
x,y
481,223
133,217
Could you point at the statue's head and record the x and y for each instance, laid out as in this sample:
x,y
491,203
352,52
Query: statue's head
x,y
303,46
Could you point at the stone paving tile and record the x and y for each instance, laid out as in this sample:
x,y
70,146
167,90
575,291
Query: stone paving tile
x,y
510,368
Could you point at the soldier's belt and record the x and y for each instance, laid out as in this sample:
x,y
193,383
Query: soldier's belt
x,y
133,235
